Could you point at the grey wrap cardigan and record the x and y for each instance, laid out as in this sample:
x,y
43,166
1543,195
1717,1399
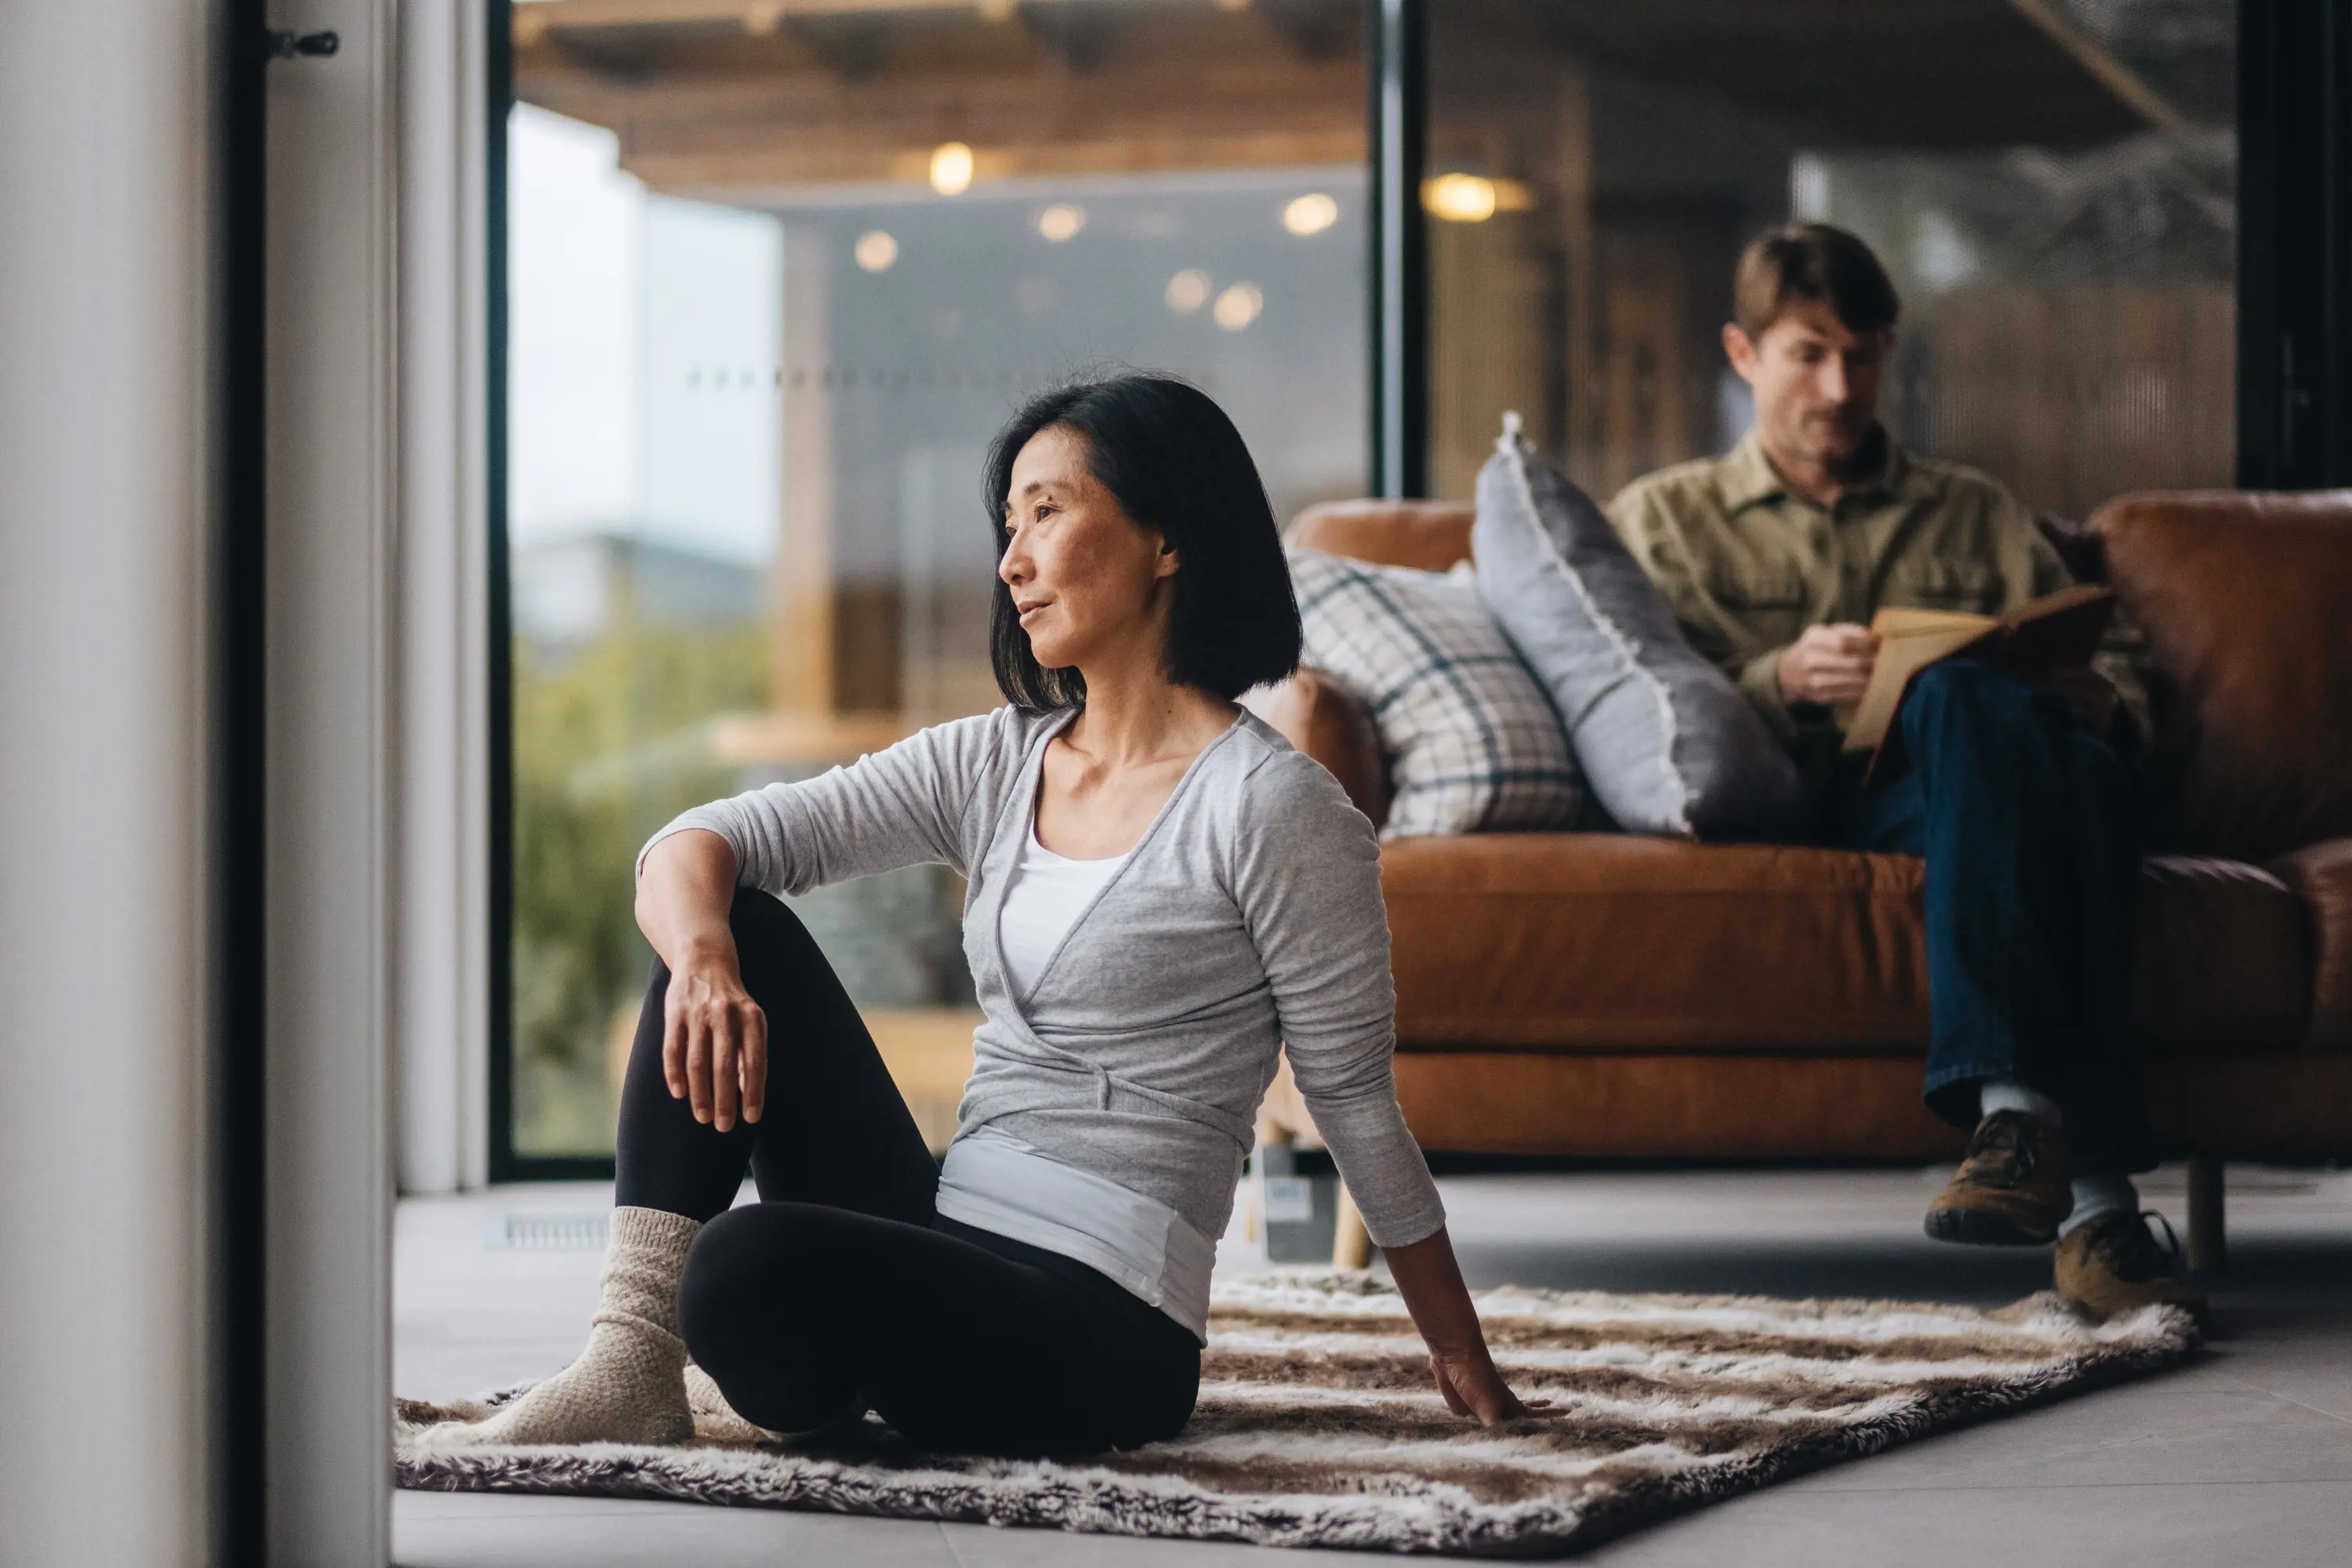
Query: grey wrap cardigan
x,y
1248,917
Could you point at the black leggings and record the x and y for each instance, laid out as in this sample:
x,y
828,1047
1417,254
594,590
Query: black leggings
x,y
842,1289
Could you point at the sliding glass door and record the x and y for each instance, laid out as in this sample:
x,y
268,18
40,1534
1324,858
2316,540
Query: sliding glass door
x,y
774,272
774,275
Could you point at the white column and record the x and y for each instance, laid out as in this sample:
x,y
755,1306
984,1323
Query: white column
x,y
333,781
108,206
441,1047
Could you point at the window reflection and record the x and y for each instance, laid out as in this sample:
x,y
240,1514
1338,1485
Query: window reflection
x,y
2049,182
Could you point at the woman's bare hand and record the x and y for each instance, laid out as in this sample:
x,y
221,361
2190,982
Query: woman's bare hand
x,y
714,1036
1828,665
1429,1280
715,1041
1472,1386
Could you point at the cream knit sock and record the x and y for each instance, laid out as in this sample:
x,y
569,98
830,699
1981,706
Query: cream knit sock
x,y
715,1418
629,1385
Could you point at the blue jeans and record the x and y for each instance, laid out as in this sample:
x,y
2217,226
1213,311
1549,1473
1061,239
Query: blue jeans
x,y
2031,828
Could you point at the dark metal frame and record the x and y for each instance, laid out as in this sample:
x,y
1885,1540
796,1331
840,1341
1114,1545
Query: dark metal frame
x,y
2294,244
506,1163
241,948
1399,31
498,80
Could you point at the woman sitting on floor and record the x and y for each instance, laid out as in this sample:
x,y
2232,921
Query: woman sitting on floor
x,y
1161,894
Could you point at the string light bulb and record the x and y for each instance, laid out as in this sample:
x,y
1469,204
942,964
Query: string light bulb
x,y
1188,290
1459,198
1310,213
1238,306
950,168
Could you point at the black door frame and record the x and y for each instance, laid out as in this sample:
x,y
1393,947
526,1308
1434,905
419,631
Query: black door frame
x,y
1397,120
506,1163
2294,244
240,821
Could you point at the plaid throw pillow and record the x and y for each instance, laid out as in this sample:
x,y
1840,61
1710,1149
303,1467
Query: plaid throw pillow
x,y
1470,739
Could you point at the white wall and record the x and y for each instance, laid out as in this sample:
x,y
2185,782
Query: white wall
x,y
333,782
106,203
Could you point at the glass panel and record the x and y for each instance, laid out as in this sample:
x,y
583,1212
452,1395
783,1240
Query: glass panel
x,y
775,281
2051,183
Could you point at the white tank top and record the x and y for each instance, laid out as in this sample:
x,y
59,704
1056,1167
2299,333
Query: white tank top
x,y
1042,903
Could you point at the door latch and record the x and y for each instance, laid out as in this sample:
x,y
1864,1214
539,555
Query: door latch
x,y
286,46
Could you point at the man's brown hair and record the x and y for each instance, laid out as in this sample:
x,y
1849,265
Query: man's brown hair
x,y
1811,261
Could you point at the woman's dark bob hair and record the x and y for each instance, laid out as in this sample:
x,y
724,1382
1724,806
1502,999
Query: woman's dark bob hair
x,y
1177,465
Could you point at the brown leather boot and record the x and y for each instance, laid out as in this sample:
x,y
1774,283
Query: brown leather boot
x,y
2114,1263
2012,1188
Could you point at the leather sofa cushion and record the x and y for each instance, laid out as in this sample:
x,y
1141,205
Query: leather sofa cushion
x,y
2243,598
2321,874
1426,535
2276,1107
1582,942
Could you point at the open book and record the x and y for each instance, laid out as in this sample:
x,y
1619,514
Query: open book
x,y
2058,631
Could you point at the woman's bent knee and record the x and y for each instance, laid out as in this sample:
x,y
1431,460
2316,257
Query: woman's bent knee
x,y
749,1275
766,921
722,1281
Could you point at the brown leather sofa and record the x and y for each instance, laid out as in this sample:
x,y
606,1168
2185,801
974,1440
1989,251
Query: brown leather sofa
x,y
1601,996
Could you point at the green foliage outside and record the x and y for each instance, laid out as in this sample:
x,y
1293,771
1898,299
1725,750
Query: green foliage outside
x,y
609,743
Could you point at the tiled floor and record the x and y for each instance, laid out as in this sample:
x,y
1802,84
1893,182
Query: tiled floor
x,y
2244,1458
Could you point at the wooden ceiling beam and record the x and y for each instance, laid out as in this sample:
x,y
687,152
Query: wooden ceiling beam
x,y
535,19
999,103
854,46
1080,33
1254,114
1314,30
779,175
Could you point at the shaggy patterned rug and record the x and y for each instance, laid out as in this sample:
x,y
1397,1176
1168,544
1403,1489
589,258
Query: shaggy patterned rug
x,y
1318,1425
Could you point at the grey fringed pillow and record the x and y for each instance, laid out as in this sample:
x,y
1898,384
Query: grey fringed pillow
x,y
1470,741
1666,743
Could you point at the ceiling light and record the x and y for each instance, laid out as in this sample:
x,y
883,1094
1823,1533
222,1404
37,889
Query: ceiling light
x,y
877,251
1513,195
950,168
1310,213
1459,198
1188,290
1238,306
1060,221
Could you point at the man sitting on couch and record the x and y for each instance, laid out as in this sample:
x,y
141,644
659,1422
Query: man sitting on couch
x,y
2020,795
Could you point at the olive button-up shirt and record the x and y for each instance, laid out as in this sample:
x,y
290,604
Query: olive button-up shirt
x,y
1746,564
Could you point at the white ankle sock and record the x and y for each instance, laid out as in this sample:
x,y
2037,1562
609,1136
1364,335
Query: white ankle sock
x,y
2096,1195
1994,1094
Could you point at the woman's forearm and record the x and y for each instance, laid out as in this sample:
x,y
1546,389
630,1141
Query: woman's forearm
x,y
1430,1280
684,897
